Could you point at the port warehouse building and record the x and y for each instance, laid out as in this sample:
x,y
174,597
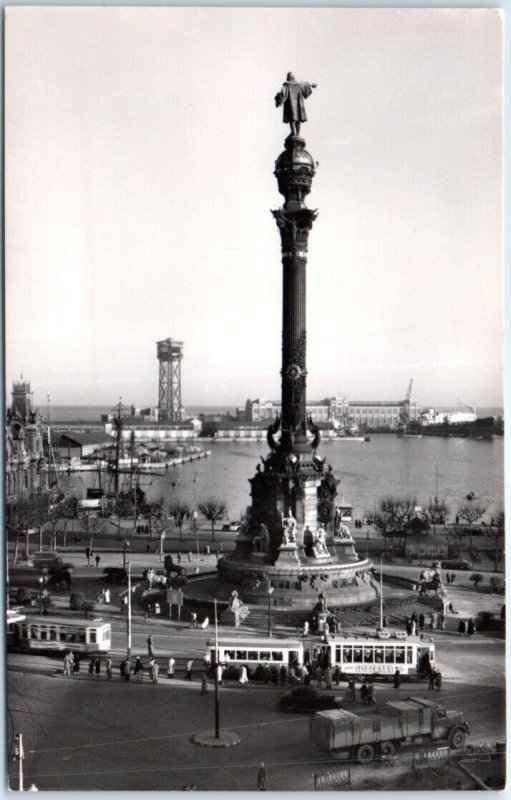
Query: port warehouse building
x,y
368,413
81,444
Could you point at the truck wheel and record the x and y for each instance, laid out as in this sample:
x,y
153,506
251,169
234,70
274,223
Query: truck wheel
x,y
387,749
457,738
365,753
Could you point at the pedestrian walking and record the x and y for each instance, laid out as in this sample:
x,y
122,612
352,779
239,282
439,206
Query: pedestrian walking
x,y
219,674
432,679
438,681
319,677
148,548
243,675
303,674
204,684
364,692
106,596
76,663
91,666
283,675
422,621
352,689
127,669
193,620
370,693
139,670
413,628
397,679
453,577
108,668
448,578
67,665
441,621
305,628
170,667
261,778
337,675
97,559
189,665
471,627
155,671
462,627
97,666
328,678
150,651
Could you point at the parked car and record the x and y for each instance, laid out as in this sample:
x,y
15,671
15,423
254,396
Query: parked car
x,y
233,527
307,699
456,563
115,575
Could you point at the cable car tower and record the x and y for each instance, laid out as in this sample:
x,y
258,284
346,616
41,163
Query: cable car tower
x,y
170,355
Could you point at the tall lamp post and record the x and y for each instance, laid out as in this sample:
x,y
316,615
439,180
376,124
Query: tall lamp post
x,y
270,592
124,547
41,582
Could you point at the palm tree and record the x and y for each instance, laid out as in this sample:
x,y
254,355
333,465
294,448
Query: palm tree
x,y
213,510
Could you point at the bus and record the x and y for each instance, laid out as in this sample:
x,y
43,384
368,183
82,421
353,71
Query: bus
x,y
59,634
353,654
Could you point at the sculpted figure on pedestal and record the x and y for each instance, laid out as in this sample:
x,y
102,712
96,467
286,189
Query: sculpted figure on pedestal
x,y
292,97
288,528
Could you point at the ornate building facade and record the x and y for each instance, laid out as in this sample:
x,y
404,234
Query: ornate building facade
x,y
25,463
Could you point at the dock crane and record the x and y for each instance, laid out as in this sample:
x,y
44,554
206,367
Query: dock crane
x,y
404,415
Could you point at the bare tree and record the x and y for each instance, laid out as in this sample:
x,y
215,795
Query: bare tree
x,y
436,511
179,511
496,533
26,513
470,512
393,515
213,510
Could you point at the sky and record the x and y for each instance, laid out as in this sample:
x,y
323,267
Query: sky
x,y
140,148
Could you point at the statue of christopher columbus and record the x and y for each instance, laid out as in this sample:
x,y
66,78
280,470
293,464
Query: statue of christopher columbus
x,y
292,97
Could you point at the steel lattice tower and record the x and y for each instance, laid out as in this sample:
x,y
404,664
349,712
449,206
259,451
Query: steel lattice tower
x,y
170,355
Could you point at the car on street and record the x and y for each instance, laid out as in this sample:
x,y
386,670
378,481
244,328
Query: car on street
x,y
115,575
308,699
456,563
232,527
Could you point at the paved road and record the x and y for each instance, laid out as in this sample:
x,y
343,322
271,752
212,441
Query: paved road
x,y
95,734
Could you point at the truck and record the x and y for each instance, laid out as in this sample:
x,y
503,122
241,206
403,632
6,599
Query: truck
x,y
381,733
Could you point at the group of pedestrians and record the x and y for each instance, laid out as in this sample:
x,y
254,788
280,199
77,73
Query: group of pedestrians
x,y
450,578
417,623
435,680
467,627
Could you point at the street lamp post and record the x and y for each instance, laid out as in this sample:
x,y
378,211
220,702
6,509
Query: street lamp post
x,y
129,610
270,592
125,545
217,698
41,581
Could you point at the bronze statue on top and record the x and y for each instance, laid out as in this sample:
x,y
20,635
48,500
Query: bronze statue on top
x,y
292,97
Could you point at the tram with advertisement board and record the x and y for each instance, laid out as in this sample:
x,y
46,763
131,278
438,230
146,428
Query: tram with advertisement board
x,y
353,654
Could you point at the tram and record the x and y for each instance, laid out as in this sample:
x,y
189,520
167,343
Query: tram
x,y
353,654
58,634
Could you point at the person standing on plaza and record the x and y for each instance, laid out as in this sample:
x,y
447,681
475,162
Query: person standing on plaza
x,y
352,689
76,664
364,691
438,680
422,621
170,667
189,665
67,665
243,675
462,627
106,596
139,670
108,668
319,677
97,666
126,672
91,666
261,778
328,678
471,627
155,671
150,651
432,679
448,578
204,684
219,674
97,559
397,679
453,577
370,693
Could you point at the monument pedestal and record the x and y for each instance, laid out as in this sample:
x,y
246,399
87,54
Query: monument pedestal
x,y
234,618
288,554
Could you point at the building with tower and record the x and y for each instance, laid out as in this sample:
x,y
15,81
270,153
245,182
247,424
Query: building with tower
x,y
25,462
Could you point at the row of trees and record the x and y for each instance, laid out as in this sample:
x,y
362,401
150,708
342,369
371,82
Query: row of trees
x,y
395,516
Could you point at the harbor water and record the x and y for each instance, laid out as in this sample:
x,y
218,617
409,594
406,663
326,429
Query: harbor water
x,y
387,465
